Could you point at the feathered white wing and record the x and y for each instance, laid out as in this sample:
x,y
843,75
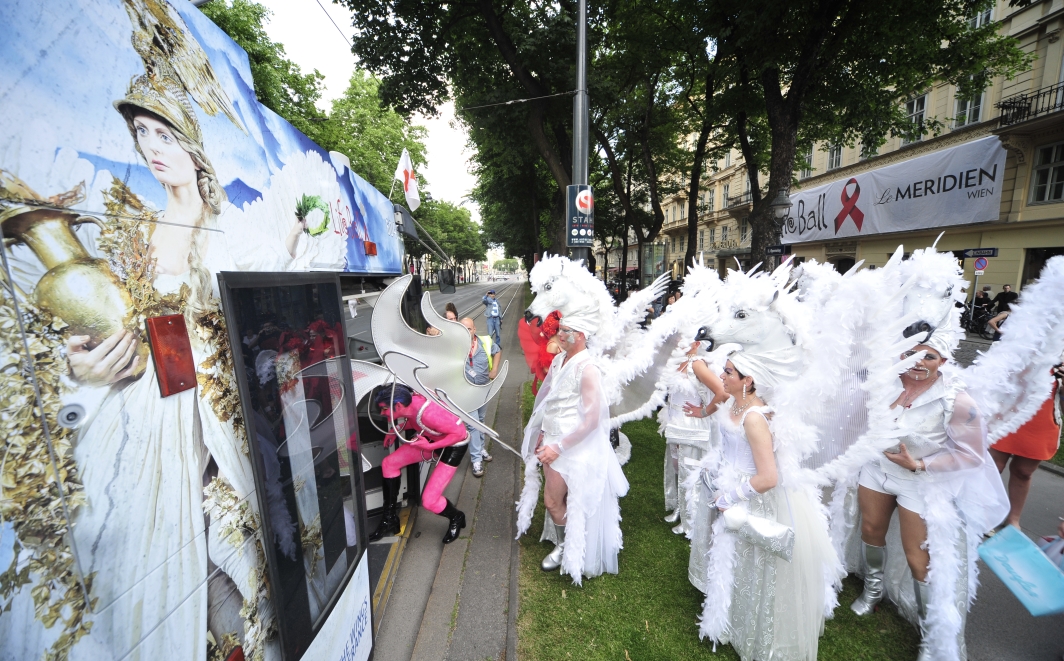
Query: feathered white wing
x,y
632,311
636,378
1011,380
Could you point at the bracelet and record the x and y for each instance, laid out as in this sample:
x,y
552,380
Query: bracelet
x,y
704,413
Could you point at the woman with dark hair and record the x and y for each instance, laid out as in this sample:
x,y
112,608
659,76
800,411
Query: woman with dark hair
x,y
764,596
434,429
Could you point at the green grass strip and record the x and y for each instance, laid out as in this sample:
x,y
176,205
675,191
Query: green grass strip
x,y
649,611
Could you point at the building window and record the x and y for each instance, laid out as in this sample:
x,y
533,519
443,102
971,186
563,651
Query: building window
x,y
710,195
835,157
712,236
744,230
968,111
868,151
980,19
1049,174
806,161
701,240
723,233
727,160
724,200
915,111
683,239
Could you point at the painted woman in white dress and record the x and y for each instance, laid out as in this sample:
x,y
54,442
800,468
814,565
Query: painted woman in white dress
x,y
766,607
161,572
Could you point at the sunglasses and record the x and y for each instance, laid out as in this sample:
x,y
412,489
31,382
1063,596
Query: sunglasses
x,y
567,331
927,356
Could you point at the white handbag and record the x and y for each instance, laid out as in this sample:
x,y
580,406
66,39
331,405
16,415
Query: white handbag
x,y
772,536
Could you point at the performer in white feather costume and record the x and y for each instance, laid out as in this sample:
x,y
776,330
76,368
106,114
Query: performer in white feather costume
x,y
766,597
687,438
568,434
956,496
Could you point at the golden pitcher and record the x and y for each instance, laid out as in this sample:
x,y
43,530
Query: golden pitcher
x,y
79,289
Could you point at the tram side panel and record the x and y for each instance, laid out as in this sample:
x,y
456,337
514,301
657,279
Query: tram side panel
x,y
178,478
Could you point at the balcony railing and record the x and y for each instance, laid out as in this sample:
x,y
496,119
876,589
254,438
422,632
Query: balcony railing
x,y
740,200
1028,105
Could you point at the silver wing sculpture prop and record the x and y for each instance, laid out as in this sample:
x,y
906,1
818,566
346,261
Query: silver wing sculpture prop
x,y
432,365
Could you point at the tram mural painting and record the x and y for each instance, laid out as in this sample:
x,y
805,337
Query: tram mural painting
x,y
135,165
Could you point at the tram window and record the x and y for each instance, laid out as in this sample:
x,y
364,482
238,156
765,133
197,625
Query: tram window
x,y
299,405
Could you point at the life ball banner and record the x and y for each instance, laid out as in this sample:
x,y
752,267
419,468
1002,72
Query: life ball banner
x,y
956,186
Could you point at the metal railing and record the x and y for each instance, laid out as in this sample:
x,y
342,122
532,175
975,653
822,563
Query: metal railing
x,y
739,200
1028,105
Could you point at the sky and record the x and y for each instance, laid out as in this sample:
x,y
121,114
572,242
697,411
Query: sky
x,y
313,42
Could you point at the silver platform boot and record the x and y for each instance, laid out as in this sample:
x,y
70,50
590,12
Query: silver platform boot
x,y
554,558
923,596
875,560
673,516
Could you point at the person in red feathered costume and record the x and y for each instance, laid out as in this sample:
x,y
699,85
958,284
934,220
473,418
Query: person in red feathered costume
x,y
540,345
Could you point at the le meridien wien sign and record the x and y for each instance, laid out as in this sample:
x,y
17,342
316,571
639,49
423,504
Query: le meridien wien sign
x,y
955,186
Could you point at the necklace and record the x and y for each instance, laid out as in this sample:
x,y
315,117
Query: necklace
x,y
909,397
736,412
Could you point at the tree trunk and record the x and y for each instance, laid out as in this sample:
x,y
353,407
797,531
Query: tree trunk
x,y
622,270
693,189
783,117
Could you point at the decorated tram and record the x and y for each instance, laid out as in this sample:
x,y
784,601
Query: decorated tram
x,y
185,459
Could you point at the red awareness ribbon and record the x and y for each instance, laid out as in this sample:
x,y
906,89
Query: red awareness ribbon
x,y
849,206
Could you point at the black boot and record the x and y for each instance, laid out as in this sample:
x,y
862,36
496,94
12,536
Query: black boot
x,y
389,524
457,518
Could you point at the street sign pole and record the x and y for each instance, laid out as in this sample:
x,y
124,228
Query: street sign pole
x,y
580,115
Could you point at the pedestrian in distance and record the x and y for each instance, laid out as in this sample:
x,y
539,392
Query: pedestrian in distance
x,y
451,312
493,315
482,366
1006,298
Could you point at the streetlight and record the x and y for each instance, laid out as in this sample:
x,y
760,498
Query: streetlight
x,y
781,206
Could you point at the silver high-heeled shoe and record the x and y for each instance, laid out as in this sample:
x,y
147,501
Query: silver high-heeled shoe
x,y
875,559
554,558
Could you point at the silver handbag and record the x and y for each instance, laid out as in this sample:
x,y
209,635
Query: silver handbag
x,y
772,536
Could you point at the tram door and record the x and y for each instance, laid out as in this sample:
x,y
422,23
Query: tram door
x,y
298,405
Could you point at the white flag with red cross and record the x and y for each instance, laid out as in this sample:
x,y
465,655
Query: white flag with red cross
x,y
405,175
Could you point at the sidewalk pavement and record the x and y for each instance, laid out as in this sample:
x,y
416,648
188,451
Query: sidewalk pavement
x,y
459,602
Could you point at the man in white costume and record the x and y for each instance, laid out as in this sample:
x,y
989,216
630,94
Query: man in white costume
x,y
568,435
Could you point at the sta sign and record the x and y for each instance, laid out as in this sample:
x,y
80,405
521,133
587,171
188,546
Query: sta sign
x,y
579,217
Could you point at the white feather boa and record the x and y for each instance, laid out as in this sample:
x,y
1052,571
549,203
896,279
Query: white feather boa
x,y
946,574
714,622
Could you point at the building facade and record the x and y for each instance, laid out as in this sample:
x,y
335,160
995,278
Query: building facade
x,y
723,234
1022,117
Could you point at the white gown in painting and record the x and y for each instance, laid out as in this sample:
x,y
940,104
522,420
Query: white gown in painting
x,y
142,538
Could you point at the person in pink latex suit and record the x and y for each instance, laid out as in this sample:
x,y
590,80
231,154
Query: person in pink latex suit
x,y
435,430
